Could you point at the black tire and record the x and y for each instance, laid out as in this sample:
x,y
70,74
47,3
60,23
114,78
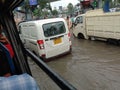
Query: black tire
x,y
119,42
113,41
80,36
34,53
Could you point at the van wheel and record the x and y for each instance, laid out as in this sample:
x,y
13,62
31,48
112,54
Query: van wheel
x,y
119,42
113,41
80,36
70,51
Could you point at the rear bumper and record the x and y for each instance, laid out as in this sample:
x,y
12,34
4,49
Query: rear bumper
x,y
57,56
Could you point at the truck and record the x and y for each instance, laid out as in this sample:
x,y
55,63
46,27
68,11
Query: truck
x,y
96,24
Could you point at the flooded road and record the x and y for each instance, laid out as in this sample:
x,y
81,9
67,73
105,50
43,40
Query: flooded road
x,y
92,65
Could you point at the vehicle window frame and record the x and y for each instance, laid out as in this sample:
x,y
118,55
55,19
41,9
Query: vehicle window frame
x,y
54,25
79,19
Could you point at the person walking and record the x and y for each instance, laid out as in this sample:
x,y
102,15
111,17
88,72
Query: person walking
x,y
69,23
73,22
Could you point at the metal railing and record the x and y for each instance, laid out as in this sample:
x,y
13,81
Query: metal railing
x,y
63,84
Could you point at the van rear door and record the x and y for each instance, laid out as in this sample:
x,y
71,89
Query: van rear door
x,y
56,38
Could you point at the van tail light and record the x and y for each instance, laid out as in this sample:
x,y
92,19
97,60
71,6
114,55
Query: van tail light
x,y
43,56
41,44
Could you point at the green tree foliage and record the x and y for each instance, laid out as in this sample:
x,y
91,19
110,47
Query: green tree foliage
x,y
37,11
95,3
55,12
43,3
70,8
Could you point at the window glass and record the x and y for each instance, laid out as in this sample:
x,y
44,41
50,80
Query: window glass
x,y
52,29
80,19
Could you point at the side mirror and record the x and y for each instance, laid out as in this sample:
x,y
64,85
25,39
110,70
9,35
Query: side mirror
x,y
76,22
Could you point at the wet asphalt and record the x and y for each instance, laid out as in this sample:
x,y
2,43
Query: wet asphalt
x,y
92,65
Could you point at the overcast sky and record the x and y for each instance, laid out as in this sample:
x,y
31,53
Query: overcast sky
x,y
63,3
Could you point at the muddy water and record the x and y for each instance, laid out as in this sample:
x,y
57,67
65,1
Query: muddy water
x,y
92,65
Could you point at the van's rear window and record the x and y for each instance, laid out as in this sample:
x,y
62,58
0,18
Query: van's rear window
x,y
52,29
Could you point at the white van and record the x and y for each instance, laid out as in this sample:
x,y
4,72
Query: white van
x,y
47,38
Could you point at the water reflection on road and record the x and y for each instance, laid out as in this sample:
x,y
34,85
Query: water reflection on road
x,y
92,65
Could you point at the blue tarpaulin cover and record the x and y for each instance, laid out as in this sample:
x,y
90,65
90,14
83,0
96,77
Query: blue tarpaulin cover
x,y
33,2
106,6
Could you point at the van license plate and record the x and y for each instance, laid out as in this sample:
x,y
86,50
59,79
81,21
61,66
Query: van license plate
x,y
57,40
